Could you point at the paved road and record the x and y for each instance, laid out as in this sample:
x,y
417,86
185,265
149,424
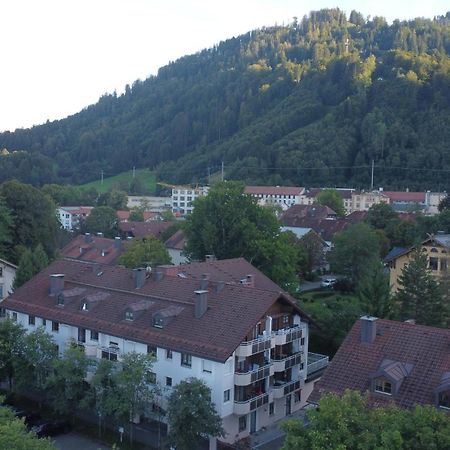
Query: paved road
x,y
76,441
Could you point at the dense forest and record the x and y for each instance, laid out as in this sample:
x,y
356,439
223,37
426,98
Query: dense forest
x,y
310,103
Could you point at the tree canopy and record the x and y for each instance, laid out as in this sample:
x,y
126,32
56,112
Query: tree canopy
x,y
147,251
332,199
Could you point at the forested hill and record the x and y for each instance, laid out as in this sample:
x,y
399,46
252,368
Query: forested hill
x,y
310,103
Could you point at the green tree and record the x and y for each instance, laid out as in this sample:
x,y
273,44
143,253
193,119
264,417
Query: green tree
x,y
192,415
25,270
39,259
6,232
419,296
380,216
353,251
444,204
136,215
148,251
66,385
374,291
332,199
114,198
133,387
348,422
11,349
14,434
102,219
312,245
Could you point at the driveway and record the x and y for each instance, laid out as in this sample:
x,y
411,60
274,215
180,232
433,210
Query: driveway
x,y
76,441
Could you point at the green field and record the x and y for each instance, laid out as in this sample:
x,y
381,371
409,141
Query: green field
x,y
123,180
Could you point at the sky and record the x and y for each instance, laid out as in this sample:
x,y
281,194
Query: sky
x,y
60,56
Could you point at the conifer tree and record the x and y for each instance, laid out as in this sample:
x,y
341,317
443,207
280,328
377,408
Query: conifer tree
x,y
25,270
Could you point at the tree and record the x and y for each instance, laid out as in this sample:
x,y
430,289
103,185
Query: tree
x,y
14,434
39,259
114,198
25,270
102,219
192,415
133,387
11,349
332,199
380,215
419,296
6,232
136,215
374,291
148,251
444,204
348,422
312,245
67,385
353,250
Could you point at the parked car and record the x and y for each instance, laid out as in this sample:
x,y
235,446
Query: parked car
x,y
328,282
51,427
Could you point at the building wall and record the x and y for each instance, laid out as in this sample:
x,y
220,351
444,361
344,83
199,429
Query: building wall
x,y
177,257
150,203
182,198
363,201
7,275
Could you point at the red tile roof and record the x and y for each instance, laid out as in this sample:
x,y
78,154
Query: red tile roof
x,y
325,228
273,190
83,210
427,349
148,215
233,310
176,241
301,211
356,217
398,196
142,229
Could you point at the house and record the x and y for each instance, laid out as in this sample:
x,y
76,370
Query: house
x,y
309,197
142,229
175,247
394,362
248,344
284,196
436,247
124,216
296,213
7,276
70,216
94,248
182,198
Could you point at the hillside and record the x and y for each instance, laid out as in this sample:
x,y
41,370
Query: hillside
x,y
310,103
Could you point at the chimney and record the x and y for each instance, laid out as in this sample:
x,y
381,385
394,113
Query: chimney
x,y
100,234
117,242
201,303
368,329
56,283
250,281
204,281
88,238
139,277
95,268
209,258
220,286
159,274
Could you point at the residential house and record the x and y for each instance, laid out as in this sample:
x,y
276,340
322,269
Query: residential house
x,y
309,197
182,198
284,196
141,229
394,362
124,216
298,212
436,247
7,276
70,216
175,247
94,248
248,344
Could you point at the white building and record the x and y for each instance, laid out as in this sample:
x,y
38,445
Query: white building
x,y
182,198
284,196
249,345
149,203
70,216
7,276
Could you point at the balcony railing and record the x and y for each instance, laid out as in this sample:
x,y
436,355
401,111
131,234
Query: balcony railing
x,y
316,362
280,389
286,335
260,344
246,406
284,362
243,378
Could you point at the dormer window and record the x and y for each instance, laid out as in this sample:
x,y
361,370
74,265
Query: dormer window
x,y
60,300
129,315
84,306
444,399
383,386
158,321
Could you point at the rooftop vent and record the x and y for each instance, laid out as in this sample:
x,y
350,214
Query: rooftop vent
x,y
201,303
368,329
118,242
139,277
56,283
88,238
204,281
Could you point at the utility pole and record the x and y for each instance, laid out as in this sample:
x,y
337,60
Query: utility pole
x,y
371,180
102,177
209,176
134,171
222,170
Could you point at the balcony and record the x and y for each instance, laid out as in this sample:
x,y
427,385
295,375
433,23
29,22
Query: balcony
x,y
286,335
317,363
282,363
280,389
245,407
251,376
261,343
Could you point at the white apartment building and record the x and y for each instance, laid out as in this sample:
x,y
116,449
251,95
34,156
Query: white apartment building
x,y
70,216
182,198
7,276
250,346
284,196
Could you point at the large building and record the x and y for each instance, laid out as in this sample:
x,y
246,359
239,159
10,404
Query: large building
x,y
284,196
70,216
182,198
249,344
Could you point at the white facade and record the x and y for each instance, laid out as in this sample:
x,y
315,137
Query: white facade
x,y
183,197
149,203
177,257
432,200
278,398
7,275
69,216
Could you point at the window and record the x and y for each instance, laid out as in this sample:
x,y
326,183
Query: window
x,y
129,315
31,320
1,291
55,326
186,360
151,377
60,300
226,396
151,350
383,386
271,409
168,354
109,355
242,423
85,306
44,322
444,400
297,396
433,263
94,335
168,381
206,366
1,271
158,321
443,265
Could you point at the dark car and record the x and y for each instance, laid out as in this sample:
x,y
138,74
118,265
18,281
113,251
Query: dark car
x,y
51,427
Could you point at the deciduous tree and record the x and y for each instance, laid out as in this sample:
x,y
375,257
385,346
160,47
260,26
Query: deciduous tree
x,y
148,251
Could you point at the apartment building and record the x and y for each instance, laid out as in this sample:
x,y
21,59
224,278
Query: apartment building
x,y
249,345
182,198
363,201
70,216
284,196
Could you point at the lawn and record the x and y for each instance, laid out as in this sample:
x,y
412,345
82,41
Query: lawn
x,y
122,181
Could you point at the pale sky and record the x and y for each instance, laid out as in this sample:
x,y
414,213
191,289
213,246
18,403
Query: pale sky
x,y
59,56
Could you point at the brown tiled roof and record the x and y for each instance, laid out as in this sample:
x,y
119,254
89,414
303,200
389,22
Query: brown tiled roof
x,y
325,228
176,241
301,211
399,196
427,349
83,210
99,249
274,190
233,310
148,215
142,229
356,217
